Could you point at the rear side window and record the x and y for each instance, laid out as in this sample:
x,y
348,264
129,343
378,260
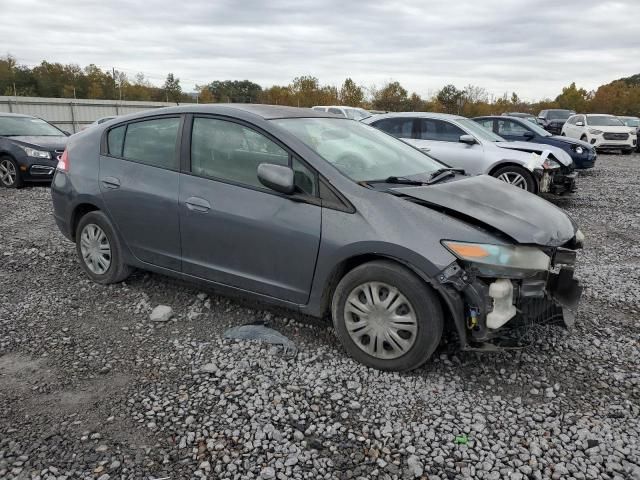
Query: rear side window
x,y
398,127
230,151
431,129
153,142
115,140
486,123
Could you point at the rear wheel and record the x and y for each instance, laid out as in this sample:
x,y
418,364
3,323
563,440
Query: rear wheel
x,y
516,176
99,249
10,176
386,317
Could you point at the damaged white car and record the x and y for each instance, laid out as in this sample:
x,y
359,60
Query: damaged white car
x,y
461,143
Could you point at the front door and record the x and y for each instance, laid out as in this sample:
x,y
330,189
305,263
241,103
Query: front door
x,y
234,230
139,185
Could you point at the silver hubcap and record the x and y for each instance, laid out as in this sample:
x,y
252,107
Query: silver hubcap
x,y
380,320
514,179
95,248
7,172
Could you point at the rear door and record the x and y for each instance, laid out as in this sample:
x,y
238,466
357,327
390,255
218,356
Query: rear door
x,y
442,140
234,230
139,184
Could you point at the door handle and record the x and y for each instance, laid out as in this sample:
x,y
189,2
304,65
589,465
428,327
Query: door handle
x,y
111,182
196,204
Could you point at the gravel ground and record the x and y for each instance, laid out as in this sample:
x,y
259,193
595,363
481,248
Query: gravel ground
x,y
91,388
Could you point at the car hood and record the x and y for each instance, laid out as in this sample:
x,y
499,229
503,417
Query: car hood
x,y
44,142
539,148
571,141
484,200
613,129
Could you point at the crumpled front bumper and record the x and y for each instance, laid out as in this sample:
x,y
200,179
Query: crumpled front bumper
x,y
543,298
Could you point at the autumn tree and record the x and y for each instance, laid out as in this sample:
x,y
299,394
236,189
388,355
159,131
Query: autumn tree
x,y
391,97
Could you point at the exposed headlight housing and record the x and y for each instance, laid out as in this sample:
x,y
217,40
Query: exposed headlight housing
x,y
32,152
512,260
550,163
579,150
593,131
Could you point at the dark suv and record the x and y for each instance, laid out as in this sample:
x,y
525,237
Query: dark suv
x,y
553,119
320,214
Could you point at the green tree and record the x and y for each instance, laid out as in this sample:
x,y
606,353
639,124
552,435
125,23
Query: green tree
x,y
391,97
172,89
573,98
450,98
351,94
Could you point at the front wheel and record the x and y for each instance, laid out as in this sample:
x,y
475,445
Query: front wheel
x,y
10,176
99,249
516,176
386,317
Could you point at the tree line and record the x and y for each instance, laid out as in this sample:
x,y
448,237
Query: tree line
x,y
620,97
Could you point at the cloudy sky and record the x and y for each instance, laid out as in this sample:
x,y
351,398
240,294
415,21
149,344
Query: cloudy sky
x,y
531,47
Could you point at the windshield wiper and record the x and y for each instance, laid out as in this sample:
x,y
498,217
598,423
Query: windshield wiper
x,y
443,173
398,180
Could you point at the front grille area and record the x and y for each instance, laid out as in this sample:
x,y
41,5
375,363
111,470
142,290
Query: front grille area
x,y
615,136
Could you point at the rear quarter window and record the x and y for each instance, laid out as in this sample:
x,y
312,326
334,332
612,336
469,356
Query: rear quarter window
x,y
115,140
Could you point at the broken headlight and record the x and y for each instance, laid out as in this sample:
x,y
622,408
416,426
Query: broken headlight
x,y
491,259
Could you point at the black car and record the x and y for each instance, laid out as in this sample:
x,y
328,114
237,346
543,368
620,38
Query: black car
x,y
519,129
29,149
553,119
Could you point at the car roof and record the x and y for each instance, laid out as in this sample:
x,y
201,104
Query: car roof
x,y
266,112
7,114
436,115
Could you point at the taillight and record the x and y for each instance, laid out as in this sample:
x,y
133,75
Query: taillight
x,y
63,163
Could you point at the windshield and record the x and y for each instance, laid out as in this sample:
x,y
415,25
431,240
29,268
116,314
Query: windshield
x,y
479,131
27,126
359,151
559,114
631,122
603,121
538,129
356,113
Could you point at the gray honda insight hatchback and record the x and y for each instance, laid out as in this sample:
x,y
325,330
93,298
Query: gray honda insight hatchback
x,y
320,214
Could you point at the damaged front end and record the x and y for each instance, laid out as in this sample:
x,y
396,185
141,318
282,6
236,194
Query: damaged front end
x,y
498,290
552,175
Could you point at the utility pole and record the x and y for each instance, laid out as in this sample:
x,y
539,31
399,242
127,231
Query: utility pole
x,y
113,70
15,92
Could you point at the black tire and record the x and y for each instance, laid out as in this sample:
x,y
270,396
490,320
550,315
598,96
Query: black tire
x,y
627,152
17,182
422,299
117,271
530,182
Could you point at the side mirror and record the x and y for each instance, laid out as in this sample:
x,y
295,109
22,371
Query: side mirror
x,y
528,134
579,124
468,139
276,177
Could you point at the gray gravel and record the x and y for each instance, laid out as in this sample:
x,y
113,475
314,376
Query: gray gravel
x,y
91,387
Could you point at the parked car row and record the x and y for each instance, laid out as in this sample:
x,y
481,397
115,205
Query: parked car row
x,y
464,143
604,132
